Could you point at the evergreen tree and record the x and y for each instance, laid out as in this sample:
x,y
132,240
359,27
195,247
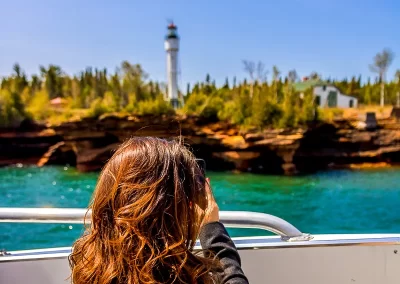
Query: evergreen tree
x,y
208,79
187,89
226,85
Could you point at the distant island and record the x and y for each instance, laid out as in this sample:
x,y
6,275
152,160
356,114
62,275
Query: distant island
x,y
282,126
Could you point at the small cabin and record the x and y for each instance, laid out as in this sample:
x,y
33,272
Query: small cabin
x,y
327,95
58,103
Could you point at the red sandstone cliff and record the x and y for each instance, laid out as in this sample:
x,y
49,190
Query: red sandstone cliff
x,y
89,143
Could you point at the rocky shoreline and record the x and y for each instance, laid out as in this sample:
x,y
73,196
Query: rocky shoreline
x,y
88,143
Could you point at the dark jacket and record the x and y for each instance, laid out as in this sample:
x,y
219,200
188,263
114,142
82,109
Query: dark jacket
x,y
215,238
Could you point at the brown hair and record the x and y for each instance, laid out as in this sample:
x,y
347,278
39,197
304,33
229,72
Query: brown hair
x,y
144,226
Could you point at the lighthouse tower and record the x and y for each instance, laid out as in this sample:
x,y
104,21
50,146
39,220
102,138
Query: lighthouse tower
x,y
172,47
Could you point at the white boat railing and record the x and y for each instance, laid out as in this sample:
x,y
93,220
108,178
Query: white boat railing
x,y
232,219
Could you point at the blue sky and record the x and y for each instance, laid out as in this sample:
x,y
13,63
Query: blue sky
x,y
336,38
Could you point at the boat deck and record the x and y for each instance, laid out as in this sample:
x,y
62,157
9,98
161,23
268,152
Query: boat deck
x,y
290,257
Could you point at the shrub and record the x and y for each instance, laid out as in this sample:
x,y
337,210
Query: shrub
x,y
195,103
110,101
11,109
231,112
330,114
132,104
38,106
212,107
97,108
156,107
265,112
237,109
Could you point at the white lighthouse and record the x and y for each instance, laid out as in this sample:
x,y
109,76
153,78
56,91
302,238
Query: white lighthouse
x,y
172,47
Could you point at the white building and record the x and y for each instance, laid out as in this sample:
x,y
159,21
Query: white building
x,y
327,95
172,47
330,96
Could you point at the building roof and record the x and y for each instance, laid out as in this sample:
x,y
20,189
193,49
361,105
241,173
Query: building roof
x,y
304,85
58,101
171,26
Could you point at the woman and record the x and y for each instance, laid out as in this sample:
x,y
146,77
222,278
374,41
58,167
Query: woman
x,y
150,205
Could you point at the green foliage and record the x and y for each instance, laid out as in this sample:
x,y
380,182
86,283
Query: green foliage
x,y
212,106
195,103
235,107
330,114
38,106
92,93
265,114
132,103
231,112
157,107
12,111
53,77
308,110
98,108
111,101
251,103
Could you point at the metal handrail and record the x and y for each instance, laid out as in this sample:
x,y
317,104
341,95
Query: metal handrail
x,y
233,219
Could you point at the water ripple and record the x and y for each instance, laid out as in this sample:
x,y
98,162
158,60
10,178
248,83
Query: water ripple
x,y
327,202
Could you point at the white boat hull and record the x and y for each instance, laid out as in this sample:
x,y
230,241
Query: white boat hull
x,y
327,259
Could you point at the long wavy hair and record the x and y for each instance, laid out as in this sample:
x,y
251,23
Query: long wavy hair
x,y
144,224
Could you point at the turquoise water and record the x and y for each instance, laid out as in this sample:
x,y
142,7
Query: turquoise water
x,y
327,202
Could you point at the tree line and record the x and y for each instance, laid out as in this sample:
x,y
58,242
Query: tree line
x,y
254,101
92,92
